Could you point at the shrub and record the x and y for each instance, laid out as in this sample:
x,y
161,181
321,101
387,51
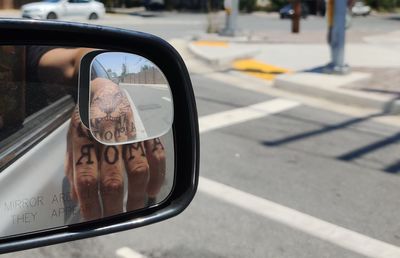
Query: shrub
x,y
386,5
247,5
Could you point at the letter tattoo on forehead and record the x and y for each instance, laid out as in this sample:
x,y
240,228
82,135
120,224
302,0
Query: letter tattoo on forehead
x,y
114,108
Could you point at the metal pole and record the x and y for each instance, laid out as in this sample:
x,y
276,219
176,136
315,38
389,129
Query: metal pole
x,y
232,10
337,38
296,16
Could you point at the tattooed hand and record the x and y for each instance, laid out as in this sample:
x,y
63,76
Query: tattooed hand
x,y
96,172
111,115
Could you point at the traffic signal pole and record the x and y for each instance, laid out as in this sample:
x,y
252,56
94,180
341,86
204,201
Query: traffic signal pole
x,y
232,11
337,36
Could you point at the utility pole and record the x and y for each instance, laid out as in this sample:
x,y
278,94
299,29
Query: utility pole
x,y
232,10
337,36
296,16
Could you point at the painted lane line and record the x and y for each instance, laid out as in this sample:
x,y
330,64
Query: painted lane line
x,y
126,252
240,115
218,120
313,226
340,236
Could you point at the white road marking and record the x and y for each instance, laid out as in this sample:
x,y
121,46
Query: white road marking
x,y
126,252
166,99
313,226
240,115
141,132
329,232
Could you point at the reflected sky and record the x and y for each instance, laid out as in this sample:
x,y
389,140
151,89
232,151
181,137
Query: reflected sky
x,y
115,61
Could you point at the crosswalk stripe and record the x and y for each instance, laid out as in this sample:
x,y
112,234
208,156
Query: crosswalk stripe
x,y
329,232
240,115
126,252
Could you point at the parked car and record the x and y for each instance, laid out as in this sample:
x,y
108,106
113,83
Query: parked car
x,y
287,11
154,5
55,9
360,9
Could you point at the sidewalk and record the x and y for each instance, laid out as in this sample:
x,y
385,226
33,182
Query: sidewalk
x,y
10,13
374,81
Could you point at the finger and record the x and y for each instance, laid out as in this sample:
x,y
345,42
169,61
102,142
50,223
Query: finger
x,y
137,169
85,170
68,167
111,180
156,156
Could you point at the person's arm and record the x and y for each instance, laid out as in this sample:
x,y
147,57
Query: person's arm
x,y
59,67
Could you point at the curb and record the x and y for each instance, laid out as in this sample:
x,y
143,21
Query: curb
x,y
224,62
310,84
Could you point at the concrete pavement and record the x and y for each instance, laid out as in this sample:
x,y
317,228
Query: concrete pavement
x,y
297,67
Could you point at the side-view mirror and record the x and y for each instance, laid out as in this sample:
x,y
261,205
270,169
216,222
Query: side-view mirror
x,y
131,103
98,132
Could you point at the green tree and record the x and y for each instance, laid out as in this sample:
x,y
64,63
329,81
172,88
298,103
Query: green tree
x,y
278,4
387,5
247,5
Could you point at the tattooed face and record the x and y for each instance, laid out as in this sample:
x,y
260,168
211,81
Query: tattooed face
x,y
106,104
111,115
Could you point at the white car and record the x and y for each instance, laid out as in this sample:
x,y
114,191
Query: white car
x,y
360,8
55,9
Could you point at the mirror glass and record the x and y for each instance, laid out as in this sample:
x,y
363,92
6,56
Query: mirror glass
x,y
53,172
130,100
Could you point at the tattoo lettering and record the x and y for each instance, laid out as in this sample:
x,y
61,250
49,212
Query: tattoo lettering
x,y
107,158
94,128
85,152
108,135
157,143
129,149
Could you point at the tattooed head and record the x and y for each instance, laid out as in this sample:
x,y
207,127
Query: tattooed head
x,y
111,115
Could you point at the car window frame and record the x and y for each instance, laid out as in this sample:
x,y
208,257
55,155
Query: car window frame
x,y
35,128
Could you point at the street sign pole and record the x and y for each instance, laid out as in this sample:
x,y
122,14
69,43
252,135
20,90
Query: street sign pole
x,y
337,37
232,10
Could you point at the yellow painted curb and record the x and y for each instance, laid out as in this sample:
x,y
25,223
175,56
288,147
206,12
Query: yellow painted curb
x,y
259,69
203,43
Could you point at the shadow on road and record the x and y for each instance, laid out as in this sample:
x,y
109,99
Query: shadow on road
x,y
393,18
357,153
352,155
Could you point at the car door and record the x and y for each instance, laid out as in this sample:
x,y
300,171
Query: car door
x,y
77,8
32,147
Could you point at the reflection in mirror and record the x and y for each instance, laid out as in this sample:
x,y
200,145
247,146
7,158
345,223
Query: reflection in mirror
x,y
53,172
132,102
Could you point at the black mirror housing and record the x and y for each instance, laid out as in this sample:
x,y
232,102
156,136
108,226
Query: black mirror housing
x,y
185,123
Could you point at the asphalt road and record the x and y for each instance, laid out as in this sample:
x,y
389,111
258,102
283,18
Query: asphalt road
x,y
293,158
154,107
334,167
